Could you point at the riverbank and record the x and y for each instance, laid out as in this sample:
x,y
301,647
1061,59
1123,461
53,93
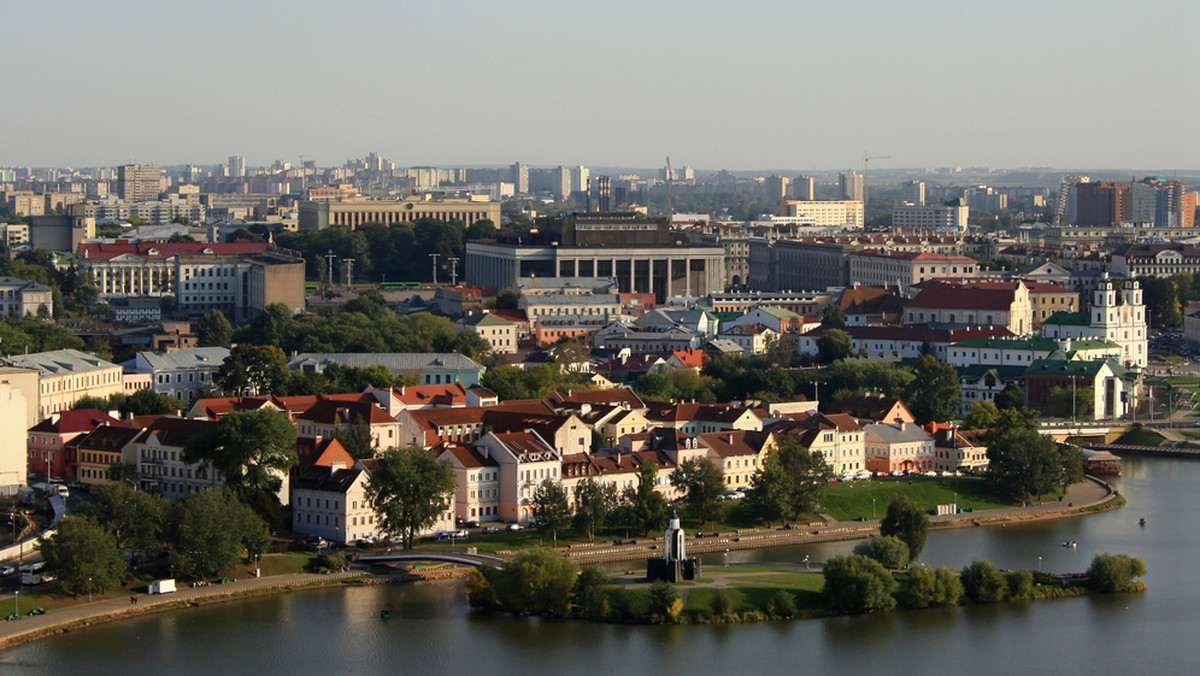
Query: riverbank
x,y
69,618
1092,496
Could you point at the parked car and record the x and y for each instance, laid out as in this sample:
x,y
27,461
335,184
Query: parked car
x,y
7,570
472,524
514,527
488,530
461,533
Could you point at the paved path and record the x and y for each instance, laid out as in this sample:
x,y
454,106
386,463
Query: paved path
x,y
11,632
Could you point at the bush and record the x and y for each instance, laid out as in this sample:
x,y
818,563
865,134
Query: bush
x,y
782,604
949,587
906,521
721,604
857,584
328,562
982,583
888,550
590,593
481,588
1114,572
918,589
1020,583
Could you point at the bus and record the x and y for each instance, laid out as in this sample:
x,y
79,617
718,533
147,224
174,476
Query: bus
x,y
312,287
35,573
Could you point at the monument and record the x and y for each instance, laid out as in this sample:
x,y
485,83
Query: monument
x,y
673,565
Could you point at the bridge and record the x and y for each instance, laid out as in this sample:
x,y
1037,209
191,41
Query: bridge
x,y
1061,430
466,559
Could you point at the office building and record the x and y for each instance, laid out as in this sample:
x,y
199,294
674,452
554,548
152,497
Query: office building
x,y
355,211
950,216
851,185
848,213
237,166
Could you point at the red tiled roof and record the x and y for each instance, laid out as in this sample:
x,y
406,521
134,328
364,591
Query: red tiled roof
x,y
431,395
78,420
328,411
980,296
511,315
615,395
466,455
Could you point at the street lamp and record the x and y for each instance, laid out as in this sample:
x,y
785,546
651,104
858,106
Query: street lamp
x,y
89,589
17,603
1039,564
256,565
872,508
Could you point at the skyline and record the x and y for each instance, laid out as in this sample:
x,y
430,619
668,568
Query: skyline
x,y
477,84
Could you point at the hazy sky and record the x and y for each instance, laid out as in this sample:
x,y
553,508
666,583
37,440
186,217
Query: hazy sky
x,y
736,85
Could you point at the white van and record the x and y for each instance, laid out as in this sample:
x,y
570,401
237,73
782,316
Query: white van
x,y
63,491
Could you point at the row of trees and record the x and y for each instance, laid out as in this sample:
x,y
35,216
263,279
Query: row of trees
x,y
861,584
203,536
365,325
599,505
399,252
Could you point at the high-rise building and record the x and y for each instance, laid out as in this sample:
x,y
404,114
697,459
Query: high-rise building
x,y
1101,204
520,178
914,193
237,166
851,184
804,188
139,182
777,187
580,176
1064,208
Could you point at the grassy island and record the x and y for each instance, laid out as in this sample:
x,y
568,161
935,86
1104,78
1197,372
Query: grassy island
x,y
538,581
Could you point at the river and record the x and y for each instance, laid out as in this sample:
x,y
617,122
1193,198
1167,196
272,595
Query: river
x,y
432,631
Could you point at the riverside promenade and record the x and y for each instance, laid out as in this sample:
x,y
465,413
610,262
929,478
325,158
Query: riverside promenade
x,y
1081,499
31,627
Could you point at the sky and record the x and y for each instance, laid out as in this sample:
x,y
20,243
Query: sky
x,y
714,85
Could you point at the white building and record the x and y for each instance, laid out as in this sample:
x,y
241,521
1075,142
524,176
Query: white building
x,y
1117,315
184,374
943,217
848,213
23,298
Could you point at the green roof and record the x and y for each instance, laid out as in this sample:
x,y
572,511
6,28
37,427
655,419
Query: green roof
x,y
1069,319
1046,344
726,316
484,319
1077,367
779,313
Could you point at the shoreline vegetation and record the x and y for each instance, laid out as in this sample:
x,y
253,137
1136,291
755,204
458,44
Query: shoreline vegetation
x,y
754,598
538,582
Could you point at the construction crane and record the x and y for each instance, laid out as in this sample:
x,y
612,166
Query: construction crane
x,y
866,175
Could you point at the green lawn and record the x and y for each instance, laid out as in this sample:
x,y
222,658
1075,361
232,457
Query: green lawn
x,y
1141,436
851,500
1183,380
285,564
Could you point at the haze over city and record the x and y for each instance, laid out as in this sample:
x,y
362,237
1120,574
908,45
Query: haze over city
x,y
714,85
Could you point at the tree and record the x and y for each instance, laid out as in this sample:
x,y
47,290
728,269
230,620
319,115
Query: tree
x,y
721,605
701,484
1114,572
834,345
90,401
507,299
857,584
147,402
356,438
409,489
1019,583
833,315
551,512
253,370
663,604
136,519
908,523
1012,397
537,580
782,604
648,506
924,587
1072,465
1071,402
251,449
214,330
982,583
590,593
935,391
770,494
1023,462
888,550
83,556
984,415
593,502
212,529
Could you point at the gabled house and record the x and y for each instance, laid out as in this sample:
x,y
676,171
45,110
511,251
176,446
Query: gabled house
x,y
329,498
98,451
161,467
694,419
737,454
526,460
329,416
836,436
876,408
476,479
958,450
898,447
49,454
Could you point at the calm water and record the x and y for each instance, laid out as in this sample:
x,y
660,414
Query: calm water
x,y
431,631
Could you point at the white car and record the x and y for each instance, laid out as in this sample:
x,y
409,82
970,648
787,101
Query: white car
x,y
514,527
7,570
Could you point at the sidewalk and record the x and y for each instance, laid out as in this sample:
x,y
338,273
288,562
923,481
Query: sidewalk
x,y
11,632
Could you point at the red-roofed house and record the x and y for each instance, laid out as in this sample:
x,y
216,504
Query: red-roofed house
x,y
161,468
836,436
477,481
47,447
526,460
738,454
328,416
688,359
974,303
396,399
